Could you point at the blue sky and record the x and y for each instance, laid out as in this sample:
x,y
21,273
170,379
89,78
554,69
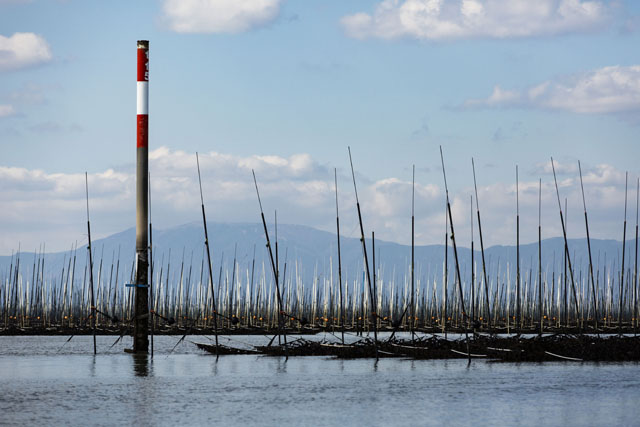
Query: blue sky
x,y
285,86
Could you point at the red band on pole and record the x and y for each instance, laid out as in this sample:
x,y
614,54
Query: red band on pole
x,y
143,101
143,65
143,131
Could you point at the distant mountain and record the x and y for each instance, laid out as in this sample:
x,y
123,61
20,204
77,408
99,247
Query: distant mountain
x,y
314,251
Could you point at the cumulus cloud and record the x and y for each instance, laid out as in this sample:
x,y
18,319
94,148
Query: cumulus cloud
x,y
604,187
301,190
561,168
614,89
297,186
219,16
23,50
464,19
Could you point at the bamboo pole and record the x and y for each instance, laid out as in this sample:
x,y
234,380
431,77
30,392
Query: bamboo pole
x,y
93,304
366,261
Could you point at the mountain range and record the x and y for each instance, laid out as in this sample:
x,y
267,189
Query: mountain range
x,y
315,253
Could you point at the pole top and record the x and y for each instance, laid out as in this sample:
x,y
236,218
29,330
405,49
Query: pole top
x,y
143,44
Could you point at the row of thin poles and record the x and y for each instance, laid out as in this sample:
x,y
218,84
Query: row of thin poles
x,y
246,295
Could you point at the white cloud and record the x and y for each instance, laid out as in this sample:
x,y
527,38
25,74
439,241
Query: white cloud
x,y
218,16
614,89
604,192
499,97
301,194
6,110
462,19
561,168
23,50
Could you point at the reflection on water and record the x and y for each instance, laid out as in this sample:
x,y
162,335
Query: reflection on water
x,y
92,367
140,364
281,365
40,385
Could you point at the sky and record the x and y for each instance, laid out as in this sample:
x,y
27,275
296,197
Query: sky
x,y
283,87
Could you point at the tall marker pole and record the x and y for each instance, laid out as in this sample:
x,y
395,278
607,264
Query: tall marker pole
x,y
141,323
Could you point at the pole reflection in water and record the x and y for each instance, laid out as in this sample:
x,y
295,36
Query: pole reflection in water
x,y
282,366
141,365
93,366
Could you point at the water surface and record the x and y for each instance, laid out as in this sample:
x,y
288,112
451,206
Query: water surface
x,y
43,382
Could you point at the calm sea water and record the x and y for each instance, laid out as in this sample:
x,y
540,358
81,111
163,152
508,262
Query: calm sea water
x,y
43,382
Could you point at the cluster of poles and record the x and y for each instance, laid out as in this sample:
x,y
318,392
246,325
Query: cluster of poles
x,y
88,293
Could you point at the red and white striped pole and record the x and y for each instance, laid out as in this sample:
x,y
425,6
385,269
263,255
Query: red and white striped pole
x,y
143,94
141,322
